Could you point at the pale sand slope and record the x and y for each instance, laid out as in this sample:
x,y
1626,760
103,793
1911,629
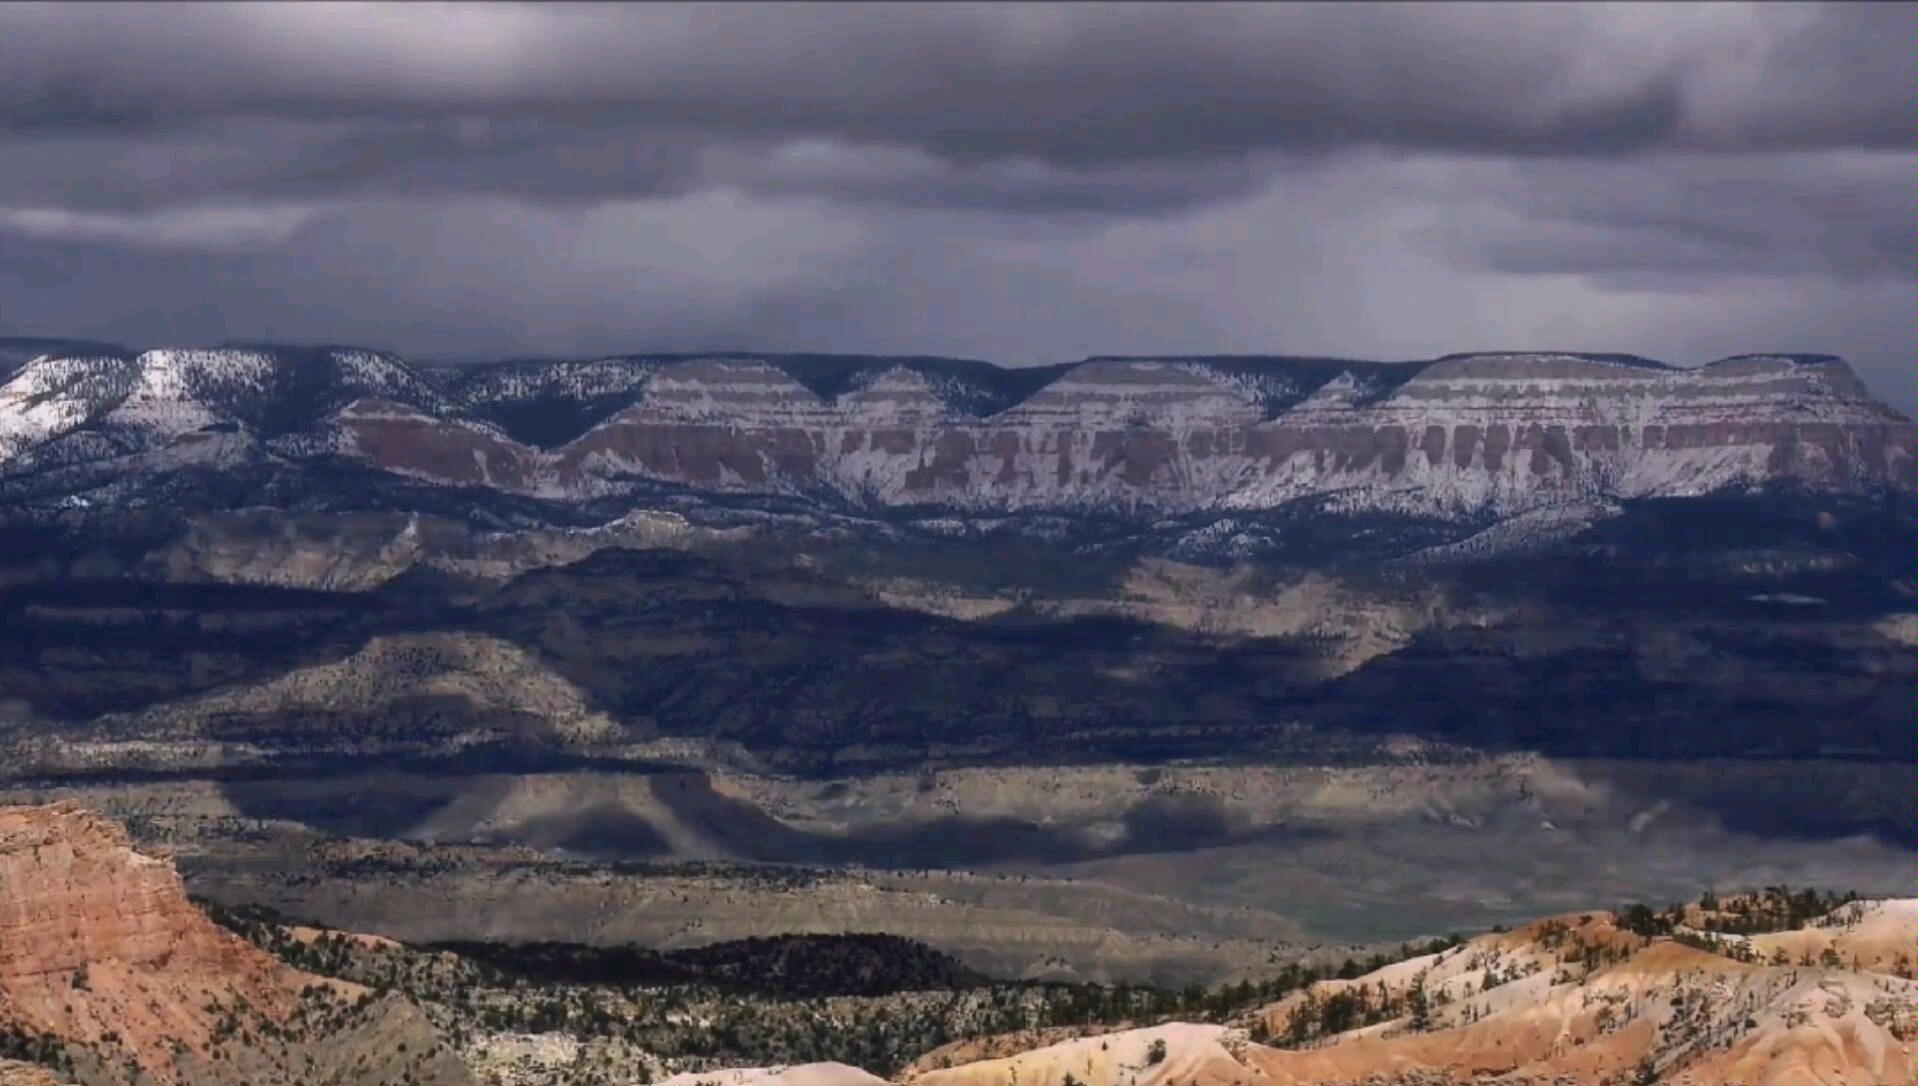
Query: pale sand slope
x,y
1570,1002
1701,1019
1195,1055
805,1074
1874,934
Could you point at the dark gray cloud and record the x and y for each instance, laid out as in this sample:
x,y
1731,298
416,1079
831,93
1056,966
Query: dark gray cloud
x,y
568,102
571,165
1090,109
1080,83
1024,183
1703,219
284,165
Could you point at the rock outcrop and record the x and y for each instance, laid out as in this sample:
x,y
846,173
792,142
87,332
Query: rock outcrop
x,y
76,896
118,978
15,1073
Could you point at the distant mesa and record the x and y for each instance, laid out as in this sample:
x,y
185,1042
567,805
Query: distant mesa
x,y
1460,438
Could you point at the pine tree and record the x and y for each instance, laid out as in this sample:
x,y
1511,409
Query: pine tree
x,y
1421,1006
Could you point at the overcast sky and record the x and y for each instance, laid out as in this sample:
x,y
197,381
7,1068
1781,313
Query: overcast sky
x,y
1016,183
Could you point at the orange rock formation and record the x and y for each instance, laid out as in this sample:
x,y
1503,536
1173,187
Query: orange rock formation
x,y
100,949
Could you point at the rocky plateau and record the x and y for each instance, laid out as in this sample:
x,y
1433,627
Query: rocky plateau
x,y
1191,454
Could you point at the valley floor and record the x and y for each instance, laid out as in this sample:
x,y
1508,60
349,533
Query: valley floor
x,y
1172,874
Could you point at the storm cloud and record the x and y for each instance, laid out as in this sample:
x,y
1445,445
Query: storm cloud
x,y
1021,183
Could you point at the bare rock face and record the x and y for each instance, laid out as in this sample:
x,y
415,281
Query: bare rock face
x,y
15,1073
75,894
1460,436
1495,431
101,950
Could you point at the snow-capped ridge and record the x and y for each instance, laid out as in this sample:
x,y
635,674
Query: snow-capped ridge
x,y
18,351
1605,358
1792,359
1468,439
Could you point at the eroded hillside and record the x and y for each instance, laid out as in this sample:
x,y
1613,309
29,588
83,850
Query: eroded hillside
x,y
110,976
1569,1001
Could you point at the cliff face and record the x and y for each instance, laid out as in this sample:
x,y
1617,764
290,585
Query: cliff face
x,y
1457,435
1461,436
76,894
101,950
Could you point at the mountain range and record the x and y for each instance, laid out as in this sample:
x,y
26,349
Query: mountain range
x,y
1187,455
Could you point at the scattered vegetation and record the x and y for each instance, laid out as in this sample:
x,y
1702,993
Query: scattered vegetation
x,y
793,966
1776,908
874,1001
1155,1052
36,1048
880,1001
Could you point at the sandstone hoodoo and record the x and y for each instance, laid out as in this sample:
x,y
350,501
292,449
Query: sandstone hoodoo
x,y
111,976
1461,437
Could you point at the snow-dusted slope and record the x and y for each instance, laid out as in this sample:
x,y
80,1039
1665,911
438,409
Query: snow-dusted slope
x,y
1465,435
1465,438
51,397
17,352
60,410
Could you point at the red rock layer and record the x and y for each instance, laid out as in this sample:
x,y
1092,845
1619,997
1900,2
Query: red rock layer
x,y
99,946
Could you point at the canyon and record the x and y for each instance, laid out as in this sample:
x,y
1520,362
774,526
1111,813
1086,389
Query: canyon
x,y
1169,672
